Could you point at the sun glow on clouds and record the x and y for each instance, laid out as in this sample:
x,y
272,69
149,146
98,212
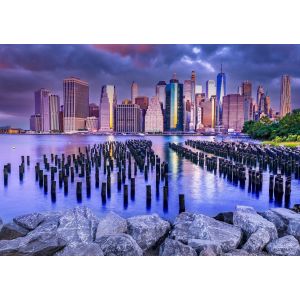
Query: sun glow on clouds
x,y
223,51
187,60
196,50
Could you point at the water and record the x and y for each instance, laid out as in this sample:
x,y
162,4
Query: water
x,y
204,192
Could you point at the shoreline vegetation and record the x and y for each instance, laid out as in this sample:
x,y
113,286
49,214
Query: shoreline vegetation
x,y
285,132
79,232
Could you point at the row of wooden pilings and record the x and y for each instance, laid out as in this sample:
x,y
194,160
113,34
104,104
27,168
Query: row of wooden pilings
x,y
127,158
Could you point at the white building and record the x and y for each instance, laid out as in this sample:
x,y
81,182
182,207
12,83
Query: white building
x,y
54,104
92,124
154,120
210,89
108,101
76,104
161,93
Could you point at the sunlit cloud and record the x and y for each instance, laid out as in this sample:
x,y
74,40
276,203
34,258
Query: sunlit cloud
x,y
196,50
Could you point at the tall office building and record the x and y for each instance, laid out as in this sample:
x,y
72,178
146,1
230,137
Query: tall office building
x,y
93,110
246,89
198,89
233,112
42,108
61,119
143,103
246,92
187,104
285,95
208,109
54,103
221,92
174,106
108,101
267,106
210,89
36,123
128,118
161,93
193,121
76,104
134,91
154,121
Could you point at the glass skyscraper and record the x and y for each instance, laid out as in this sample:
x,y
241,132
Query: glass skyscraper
x,y
174,106
108,101
221,92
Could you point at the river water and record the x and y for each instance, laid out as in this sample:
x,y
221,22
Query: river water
x,y
204,191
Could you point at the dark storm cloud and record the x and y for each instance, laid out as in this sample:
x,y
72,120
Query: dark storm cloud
x,y
25,68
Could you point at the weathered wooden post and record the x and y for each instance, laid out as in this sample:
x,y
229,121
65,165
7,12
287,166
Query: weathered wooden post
x,y
181,203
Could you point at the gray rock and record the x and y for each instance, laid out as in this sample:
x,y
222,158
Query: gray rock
x,y
226,217
250,221
148,230
175,248
111,224
200,245
29,221
237,252
273,217
12,231
209,251
257,241
291,219
82,249
119,245
189,226
42,241
284,246
78,225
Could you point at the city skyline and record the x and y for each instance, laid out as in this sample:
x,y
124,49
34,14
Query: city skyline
x,y
25,69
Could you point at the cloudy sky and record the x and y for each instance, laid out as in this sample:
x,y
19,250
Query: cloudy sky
x,y
26,68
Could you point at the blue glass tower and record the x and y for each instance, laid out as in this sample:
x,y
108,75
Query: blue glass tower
x,y
221,92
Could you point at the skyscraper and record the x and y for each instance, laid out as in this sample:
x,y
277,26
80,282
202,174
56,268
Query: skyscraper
x,y
246,88
174,106
193,121
154,121
187,99
210,89
94,110
267,107
143,103
54,103
233,112
161,93
260,100
285,95
208,112
246,92
36,123
221,92
134,91
42,108
128,118
108,101
76,104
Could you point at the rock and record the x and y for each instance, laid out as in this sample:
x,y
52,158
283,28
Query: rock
x,y
279,223
189,226
78,225
111,224
12,231
237,252
148,231
226,217
200,245
209,251
291,219
41,241
284,246
119,245
250,221
257,241
175,248
29,221
82,249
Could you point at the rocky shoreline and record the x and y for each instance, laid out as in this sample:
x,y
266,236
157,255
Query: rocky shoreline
x,y
79,232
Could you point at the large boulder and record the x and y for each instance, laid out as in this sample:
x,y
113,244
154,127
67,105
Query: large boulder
x,y
284,246
119,245
209,245
250,221
257,241
111,224
148,231
78,225
12,231
291,219
41,241
189,226
81,249
273,217
175,248
226,217
237,252
29,221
